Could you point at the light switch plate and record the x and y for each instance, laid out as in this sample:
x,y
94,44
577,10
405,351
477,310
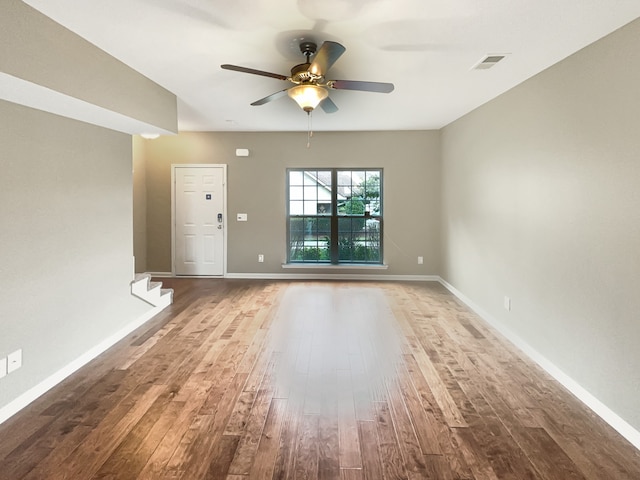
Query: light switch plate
x,y
241,217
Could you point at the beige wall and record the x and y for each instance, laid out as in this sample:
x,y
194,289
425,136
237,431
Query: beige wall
x,y
256,186
139,205
541,203
65,245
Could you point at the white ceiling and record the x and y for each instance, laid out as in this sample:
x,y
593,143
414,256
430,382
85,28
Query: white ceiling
x,y
427,48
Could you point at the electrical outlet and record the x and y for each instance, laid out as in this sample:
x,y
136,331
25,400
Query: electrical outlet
x,y
260,258
507,304
3,367
14,361
420,260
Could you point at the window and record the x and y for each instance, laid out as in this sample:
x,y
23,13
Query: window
x,y
334,216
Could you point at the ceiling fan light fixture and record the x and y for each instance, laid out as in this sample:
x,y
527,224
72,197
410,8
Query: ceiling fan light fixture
x,y
308,97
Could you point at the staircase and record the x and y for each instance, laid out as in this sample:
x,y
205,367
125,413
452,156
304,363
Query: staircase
x,y
151,292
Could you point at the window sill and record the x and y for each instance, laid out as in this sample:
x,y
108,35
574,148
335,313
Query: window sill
x,y
344,266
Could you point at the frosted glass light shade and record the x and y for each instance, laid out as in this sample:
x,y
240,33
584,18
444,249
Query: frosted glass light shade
x,y
308,96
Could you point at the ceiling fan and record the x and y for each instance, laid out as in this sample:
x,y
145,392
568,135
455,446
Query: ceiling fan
x,y
310,86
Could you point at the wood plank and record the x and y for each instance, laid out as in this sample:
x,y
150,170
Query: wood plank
x,y
351,474
349,450
543,453
407,440
306,456
371,460
435,422
239,417
474,455
220,458
284,467
250,439
438,468
423,423
160,462
392,462
329,442
201,449
265,456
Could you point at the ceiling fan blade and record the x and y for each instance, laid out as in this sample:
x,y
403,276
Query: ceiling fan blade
x,y
253,71
325,57
270,98
328,106
377,87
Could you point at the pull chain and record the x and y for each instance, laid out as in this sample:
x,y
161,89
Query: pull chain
x,y
309,129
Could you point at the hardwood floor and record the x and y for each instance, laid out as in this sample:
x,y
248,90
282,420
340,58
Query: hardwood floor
x,y
311,380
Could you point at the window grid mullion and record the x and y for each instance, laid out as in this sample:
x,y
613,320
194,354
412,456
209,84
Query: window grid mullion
x,y
333,248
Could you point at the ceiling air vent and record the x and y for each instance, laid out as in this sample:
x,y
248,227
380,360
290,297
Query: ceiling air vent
x,y
489,61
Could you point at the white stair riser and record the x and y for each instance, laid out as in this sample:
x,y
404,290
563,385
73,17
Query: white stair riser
x,y
151,292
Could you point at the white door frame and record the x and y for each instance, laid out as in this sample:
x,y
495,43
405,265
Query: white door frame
x,y
174,166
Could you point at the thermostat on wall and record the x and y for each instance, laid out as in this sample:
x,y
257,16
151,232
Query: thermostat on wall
x,y
242,152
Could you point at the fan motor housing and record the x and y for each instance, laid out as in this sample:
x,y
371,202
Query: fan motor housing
x,y
301,74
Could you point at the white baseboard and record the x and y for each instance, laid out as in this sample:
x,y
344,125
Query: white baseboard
x,y
311,276
160,274
599,408
33,393
334,276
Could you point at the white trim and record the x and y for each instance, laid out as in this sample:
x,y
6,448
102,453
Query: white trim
x,y
160,274
311,276
47,384
224,209
29,94
330,266
334,276
599,408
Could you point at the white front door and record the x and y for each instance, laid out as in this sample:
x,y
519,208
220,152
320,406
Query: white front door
x,y
199,220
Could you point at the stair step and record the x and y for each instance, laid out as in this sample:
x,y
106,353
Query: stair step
x,y
141,277
166,297
151,292
167,291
